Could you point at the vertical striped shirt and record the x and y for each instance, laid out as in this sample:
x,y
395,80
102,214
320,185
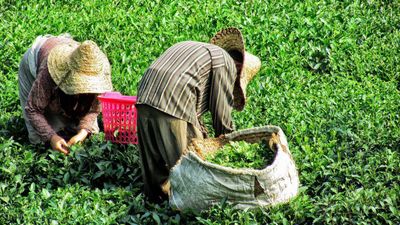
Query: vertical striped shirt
x,y
189,79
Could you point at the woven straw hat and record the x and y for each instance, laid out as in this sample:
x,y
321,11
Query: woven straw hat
x,y
231,39
80,68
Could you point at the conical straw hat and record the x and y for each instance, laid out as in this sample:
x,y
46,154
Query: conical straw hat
x,y
231,39
80,68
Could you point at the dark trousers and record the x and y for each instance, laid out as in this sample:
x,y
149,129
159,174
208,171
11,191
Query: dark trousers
x,y
162,139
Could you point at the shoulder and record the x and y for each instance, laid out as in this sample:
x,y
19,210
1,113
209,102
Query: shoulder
x,y
43,75
190,45
51,43
220,57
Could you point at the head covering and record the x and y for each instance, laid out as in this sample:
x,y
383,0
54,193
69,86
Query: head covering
x,y
231,39
80,68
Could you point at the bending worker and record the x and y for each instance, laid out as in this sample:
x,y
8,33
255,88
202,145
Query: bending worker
x,y
59,80
187,80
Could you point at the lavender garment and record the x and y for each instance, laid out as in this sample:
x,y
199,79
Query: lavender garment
x,y
43,103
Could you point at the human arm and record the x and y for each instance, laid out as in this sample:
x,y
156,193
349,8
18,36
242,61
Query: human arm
x,y
79,137
221,97
86,123
58,143
39,98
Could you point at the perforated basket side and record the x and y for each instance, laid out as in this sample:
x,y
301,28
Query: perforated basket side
x,y
119,118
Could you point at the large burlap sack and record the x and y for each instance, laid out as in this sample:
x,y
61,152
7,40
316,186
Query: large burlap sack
x,y
197,184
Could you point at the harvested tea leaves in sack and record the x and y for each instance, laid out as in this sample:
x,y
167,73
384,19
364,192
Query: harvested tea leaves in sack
x,y
241,154
199,181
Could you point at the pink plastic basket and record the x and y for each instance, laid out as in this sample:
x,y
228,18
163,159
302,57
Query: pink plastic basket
x,y
119,117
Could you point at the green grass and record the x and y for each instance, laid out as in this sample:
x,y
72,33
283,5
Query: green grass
x,y
329,78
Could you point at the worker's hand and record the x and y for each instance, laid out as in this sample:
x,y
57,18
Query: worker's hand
x,y
79,137
58,143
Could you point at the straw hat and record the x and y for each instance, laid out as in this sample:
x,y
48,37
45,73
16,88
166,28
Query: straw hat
x,y
80,68
231,39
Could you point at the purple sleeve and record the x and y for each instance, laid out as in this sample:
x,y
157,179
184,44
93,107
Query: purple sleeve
x,y
87,120
38,99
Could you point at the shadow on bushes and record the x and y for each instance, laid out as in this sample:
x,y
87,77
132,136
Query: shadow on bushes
x,y
96,164
14,128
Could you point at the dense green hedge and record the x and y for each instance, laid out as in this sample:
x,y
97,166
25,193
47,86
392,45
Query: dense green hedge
x,y
329,78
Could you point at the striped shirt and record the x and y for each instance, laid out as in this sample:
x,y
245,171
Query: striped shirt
x,y
189,79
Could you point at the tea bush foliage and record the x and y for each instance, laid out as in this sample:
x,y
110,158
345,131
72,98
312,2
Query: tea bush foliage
x,y
329,79
241,154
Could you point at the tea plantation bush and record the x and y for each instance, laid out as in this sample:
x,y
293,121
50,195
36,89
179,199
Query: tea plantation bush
x,y
329,79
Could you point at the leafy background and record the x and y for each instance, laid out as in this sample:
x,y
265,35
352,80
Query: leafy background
x,y
329,79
